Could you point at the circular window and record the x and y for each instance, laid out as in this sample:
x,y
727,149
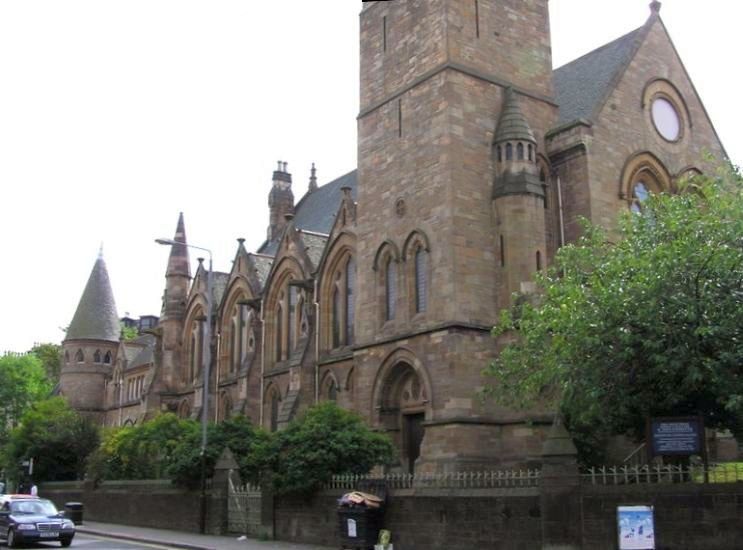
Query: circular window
x,y
666,119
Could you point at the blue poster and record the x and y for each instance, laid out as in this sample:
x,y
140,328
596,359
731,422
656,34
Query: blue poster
x,y
636,528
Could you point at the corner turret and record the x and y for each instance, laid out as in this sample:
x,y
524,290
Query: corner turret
x,y
91,345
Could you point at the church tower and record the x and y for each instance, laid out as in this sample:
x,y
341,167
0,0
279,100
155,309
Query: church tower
x,y
90,345
177,282
434,81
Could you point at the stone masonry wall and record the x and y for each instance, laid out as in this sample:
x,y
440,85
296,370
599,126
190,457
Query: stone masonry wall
x,y
438,522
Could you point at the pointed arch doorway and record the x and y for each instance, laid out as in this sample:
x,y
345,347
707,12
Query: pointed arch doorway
x,y
403,411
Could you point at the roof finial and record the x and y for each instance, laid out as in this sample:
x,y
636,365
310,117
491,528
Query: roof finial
x,y
313,178
655,6
100,251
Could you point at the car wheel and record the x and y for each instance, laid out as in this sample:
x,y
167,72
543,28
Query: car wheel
x,y
12,542
65,542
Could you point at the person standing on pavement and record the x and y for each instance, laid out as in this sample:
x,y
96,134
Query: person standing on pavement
x,y
34,490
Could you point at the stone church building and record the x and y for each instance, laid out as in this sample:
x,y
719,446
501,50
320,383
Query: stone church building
x,y
378,290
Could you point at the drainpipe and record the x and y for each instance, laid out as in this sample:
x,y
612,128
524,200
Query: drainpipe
x,y
317,343
216,384
263,358
560,211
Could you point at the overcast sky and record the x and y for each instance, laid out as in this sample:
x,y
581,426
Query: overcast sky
x,y
117,115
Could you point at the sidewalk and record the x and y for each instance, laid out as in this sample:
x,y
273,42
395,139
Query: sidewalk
x,y
189,541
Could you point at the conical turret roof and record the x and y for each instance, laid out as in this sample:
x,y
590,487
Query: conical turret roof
x,y
512,125
178,263
96,317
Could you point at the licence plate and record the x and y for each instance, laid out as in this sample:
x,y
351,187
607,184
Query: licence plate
x,y
49,534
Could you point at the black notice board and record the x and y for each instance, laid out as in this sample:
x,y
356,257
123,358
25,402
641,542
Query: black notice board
x,y
676,436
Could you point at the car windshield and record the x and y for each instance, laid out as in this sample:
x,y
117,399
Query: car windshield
x,y
39,507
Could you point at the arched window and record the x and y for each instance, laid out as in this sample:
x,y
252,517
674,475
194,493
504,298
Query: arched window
x,y
97,356
640,194
234,344
500,153
421,280
350,299
275,401
279,333
66,356
192,356
80,356
509,151
332,392
539,261
390,289
196,348
336,315
531,152
107,358
543,180
520,151
292,329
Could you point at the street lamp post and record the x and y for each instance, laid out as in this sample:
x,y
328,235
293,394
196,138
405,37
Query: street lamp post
x,y
207,373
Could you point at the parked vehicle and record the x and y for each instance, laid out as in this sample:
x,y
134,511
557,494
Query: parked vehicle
x,y
25,519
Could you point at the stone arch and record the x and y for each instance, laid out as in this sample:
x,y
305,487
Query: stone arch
x,y
184,409
272,406
329,387
225,406
282,331
193,341
336,304
129,423
416,238
646,164
235,327
386,249
402,402
418,271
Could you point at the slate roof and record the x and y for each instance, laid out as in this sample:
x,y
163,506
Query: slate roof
x,y
512,125
146,354
263,268
582,85
315,245
95,317
316,211
219,281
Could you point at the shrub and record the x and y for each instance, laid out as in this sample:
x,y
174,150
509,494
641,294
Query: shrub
x,y
326,441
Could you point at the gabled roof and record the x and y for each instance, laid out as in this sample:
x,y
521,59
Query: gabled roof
x,y
316,210
262,267
582,85
314,245
95,317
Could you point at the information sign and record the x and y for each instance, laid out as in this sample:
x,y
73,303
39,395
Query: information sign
x,y
636,527
677,436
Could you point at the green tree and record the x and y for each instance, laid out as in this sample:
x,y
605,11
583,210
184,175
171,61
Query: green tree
x,y
140,452
649,325
128,333
22,382
326,441
251,447
56,437
50,356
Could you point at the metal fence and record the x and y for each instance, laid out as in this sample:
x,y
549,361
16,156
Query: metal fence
x,y
664,473
453,480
